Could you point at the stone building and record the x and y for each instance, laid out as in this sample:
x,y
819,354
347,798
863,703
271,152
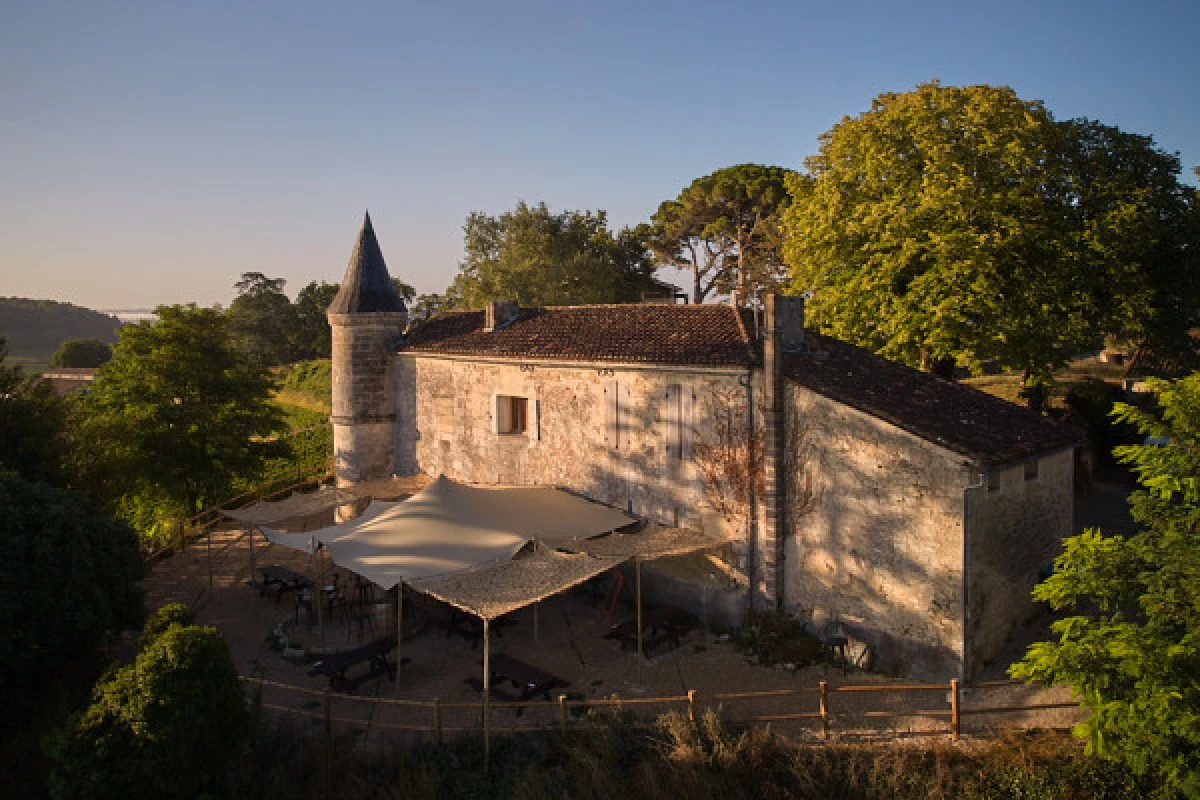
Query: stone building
x,y
913,513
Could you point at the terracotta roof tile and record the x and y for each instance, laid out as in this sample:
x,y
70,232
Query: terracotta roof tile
x,y
703,335
987,430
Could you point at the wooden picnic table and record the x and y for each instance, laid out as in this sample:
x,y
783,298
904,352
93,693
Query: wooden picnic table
x,y
375,653
526,678
470,627
664,623
285,578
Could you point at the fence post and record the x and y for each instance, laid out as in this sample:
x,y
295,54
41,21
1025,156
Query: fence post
x,y
562,713
437,718
954,708
328,746
824,709
691,705
616,698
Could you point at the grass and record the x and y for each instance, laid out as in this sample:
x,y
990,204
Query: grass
x,y
1008,385
307,384
674,758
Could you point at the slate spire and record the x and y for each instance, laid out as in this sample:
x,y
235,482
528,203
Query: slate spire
x,y
367,288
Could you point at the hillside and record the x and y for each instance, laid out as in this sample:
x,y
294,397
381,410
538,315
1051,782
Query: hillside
x,y
34,328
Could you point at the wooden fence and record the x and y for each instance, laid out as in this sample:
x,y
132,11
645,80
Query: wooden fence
x,y
428,715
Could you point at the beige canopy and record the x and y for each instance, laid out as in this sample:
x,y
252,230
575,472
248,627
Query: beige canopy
x,y
449,528
295,505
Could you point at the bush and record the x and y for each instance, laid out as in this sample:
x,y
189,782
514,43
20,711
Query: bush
x,y
166,726
778,639
165,617
68,580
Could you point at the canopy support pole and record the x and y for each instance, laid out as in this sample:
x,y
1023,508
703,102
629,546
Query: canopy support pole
x,y
253,571
399,632
536,604
637,575
487,695
319,597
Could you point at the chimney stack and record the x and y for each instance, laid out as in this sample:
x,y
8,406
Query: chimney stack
x,y
499,313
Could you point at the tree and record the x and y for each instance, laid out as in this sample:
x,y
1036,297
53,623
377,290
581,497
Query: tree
x,y
175,419
539,258
1130,647
165,726
724,228
32,422
311,337
68,580
263,319
87,353
963,224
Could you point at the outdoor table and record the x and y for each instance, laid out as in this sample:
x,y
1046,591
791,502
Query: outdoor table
x,y
662,623
470,628
375,653
530,680
282,576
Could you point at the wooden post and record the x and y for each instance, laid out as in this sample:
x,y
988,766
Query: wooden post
x,y
399,633
437,719
691,705
208,544
487,694
253,567
319,597
182,543
328,745
536,605
954,709
824,709
637,573
562,713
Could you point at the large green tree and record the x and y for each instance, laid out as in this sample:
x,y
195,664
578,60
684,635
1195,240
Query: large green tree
x,y
32,421
262,318
1130,643
540,258
965,224
311,337
178,416
85,353
724,229
68,580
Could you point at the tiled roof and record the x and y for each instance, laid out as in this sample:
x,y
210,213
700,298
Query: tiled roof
x,y
703,335
987,430
367,287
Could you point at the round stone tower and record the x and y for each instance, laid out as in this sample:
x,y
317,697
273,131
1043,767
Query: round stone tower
x,y
367,316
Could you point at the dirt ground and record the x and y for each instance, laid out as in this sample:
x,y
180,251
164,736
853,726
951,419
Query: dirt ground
x,y
568,642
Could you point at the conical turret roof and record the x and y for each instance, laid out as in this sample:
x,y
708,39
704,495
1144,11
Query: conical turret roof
x,y
367,287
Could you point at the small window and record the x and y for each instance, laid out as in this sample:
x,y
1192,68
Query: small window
x,y
1031,470
512,414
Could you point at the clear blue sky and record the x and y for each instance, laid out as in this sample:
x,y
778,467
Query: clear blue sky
x,y
151,152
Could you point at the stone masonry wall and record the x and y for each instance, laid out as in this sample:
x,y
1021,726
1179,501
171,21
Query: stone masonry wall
x,y
445,410
880,547
1015,527
363,400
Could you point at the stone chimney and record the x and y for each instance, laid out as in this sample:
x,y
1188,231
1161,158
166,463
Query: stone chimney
x,y
499,313
783,331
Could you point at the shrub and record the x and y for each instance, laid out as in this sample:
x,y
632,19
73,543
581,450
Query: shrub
x,y
165,617
166,726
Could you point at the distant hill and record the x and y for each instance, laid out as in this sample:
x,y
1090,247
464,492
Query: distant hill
x,y
35,328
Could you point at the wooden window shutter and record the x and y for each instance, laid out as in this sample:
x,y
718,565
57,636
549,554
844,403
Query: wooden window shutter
x,y
611,403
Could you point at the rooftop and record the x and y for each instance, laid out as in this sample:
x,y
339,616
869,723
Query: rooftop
x,y
701,335
987,430
367,287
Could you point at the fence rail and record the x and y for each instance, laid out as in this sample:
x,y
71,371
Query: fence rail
x,y
689,702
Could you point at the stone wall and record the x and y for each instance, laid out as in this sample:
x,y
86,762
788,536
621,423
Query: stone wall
x,y
879,546
605,433
1016,522
363,398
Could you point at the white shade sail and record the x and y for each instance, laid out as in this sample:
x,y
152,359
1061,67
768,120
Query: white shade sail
x,y
449,528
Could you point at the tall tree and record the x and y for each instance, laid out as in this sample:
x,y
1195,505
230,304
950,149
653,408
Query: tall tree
x,y
539,258
177,416
964,224
263,319
1130,645
32,424
724,229
311,337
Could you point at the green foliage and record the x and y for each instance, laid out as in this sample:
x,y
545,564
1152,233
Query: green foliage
x,y
68,579
87,353
262,319
311,381
34,328
1130,647
166,726
724,228
175,420
538,258
311,337
170,615
778,639
966,224
32,421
